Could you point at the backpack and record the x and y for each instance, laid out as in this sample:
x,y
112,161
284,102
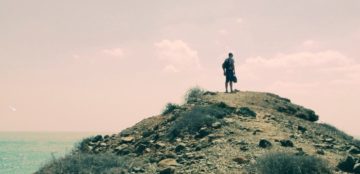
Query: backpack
x,y
228,64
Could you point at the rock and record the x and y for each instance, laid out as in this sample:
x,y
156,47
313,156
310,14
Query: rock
x,y
354,150
138,169
203,132
216,125
324,146
320,152
244,148
286,143
240,160
347,164
245,111
168,162
357,168
168,170
329,140
123,149
180,147
127,139
159,145
229,120
256,131
97,138
263,143
302,129
103,144
140,149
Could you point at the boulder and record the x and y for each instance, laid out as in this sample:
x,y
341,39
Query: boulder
x,y
203,132
302,129
286,143
167,170
354,150
97,138
320,152
140,149
168,162
357,168
216,125
347,164
159,145
240,160
263,143
180,147
127,139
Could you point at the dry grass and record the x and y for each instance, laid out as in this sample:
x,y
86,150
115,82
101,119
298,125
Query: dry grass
x,y
286,163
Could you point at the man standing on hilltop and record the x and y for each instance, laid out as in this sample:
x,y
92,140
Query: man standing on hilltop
x,y
229,72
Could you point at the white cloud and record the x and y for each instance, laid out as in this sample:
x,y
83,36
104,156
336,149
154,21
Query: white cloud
x,y
302,68
177,55
116,52
326,81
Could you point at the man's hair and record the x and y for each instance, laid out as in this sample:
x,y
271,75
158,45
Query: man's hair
x,y
230,54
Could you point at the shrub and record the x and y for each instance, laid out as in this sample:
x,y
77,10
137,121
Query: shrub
x,y
82,163
169,108
327,129
286,163
192,121
194,95
247,112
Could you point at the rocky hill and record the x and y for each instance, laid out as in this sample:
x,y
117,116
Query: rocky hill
x,y
223,133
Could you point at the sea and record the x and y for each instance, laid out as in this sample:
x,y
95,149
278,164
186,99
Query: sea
x,y
26,152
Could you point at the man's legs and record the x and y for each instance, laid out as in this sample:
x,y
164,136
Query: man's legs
x,y
231,87
226,86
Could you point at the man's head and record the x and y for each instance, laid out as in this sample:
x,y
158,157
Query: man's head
x,y
231,55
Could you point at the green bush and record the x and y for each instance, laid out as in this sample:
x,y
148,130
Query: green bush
x,y
247,112
82,163
199,116
169,108
286,163
327,129
191,121
194,95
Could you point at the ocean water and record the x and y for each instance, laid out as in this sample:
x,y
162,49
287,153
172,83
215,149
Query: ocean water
x,y
25,152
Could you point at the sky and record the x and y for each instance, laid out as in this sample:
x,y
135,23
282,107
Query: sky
x,y
105,65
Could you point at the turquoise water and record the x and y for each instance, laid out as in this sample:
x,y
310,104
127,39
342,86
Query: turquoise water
x,y
25,152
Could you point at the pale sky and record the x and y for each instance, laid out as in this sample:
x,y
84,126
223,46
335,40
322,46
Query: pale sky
x,y
105,65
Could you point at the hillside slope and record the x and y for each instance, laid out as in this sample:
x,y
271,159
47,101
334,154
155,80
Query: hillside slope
x,y
223,133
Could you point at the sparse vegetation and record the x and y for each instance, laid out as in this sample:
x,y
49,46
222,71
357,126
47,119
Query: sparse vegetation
x,y
198,117
247,112
82,146
327,129
286,163
194,95
192,121
83,163
169,108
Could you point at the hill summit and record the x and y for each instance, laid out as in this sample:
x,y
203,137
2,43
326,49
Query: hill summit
x,y
213,132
